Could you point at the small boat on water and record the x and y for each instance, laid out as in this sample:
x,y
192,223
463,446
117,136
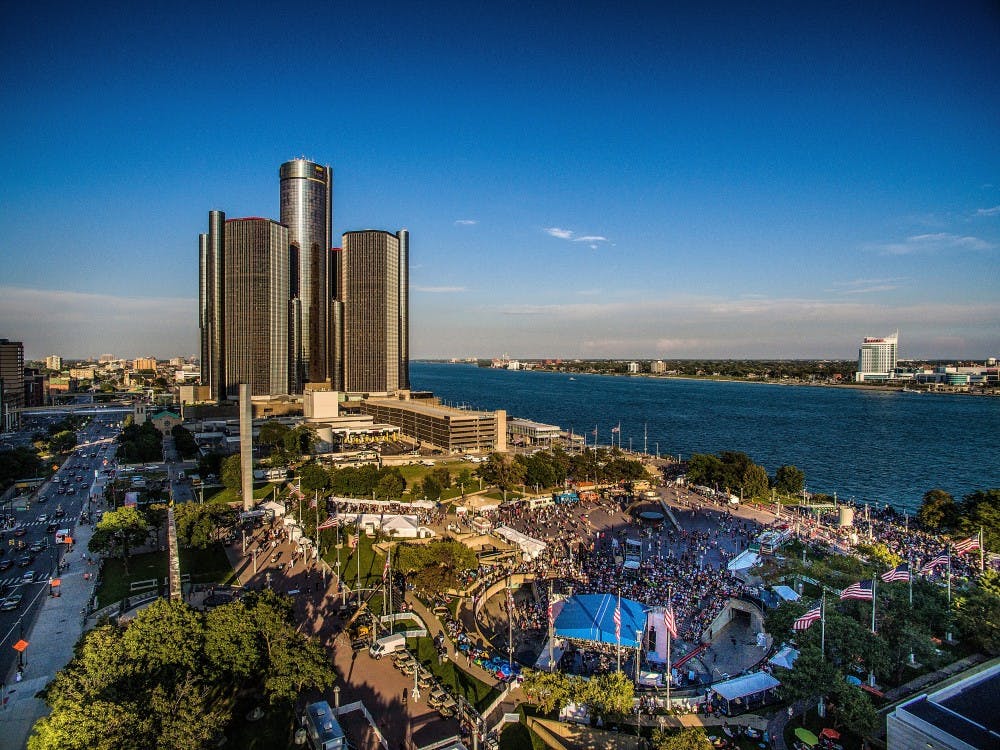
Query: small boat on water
x,y
572,378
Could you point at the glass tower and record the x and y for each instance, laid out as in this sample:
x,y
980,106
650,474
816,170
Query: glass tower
x,y
307,211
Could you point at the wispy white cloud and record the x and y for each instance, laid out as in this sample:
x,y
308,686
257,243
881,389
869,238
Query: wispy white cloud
x,y
439,289
465,222
994,211
568,234
867,286
936,242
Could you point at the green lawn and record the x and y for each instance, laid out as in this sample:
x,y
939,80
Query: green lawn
x,y
475,691
814,724
226,495
519,737
116,583
362,563
204,566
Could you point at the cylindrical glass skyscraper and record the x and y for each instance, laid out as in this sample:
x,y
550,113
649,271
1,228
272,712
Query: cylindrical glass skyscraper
x,y
307,211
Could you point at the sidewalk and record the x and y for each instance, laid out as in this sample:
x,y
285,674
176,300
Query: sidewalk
x,y
57,628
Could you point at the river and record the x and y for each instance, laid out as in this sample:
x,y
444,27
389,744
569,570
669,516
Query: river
x,y
877,446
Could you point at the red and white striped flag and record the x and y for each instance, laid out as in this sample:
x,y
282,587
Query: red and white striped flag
x,y
618,622
808,618
551,619
329,523
966,545
385,570
670,621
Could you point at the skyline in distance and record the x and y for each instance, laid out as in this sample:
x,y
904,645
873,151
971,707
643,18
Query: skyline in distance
x,y
647,182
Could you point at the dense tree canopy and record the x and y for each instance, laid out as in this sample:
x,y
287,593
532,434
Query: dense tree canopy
x,y
170,678
789,480
938,511
119,532
139,444
19,463
184,441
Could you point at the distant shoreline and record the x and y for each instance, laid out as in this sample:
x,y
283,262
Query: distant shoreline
x,y
711,379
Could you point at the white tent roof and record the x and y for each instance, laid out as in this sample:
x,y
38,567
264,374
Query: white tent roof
x,y
531,547
400,522
750,684
786,593
743,561
784,658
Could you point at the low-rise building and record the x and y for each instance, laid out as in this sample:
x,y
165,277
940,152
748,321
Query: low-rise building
x,y
443,427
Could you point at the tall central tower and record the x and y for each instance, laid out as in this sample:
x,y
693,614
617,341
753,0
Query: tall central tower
x,y
307,211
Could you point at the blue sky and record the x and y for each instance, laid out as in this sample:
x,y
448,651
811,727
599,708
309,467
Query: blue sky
x,y
579,179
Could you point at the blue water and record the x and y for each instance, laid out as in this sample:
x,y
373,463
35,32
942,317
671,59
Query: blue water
x,y
869,445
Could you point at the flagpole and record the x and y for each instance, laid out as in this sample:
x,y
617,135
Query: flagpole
x,y
618,633
822,625
909,566
981,552
551,633
510,626
874,578
948,633
670,670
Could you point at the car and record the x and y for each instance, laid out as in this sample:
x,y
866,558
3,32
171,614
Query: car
x,y
28,577
38,546
42,518
12,601
52,528
20,531
6,564
25,560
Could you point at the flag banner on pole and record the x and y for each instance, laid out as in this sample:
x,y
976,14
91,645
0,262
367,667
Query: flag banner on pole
x,y
863,591
966,545
618,622
943,559
595,432
385,570
670,621
551,619
809,617
900,573
616,429
312,503
331,522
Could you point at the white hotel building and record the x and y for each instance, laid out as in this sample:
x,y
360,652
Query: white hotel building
x,y
877,359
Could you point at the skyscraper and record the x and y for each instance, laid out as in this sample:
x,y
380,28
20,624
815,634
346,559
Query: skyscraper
x,y
211,315
306,193
373,279
877,358
256,306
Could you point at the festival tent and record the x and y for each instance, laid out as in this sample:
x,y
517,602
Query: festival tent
x,y
740,691
591,617
531,548
785,657
787,593
743,561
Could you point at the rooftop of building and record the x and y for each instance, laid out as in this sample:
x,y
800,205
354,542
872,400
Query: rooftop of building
x,y
431,410
965,709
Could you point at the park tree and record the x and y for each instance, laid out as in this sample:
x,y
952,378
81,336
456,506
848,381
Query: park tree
x,y
299,441
431,488
314,477
755,482
501,471
609,693
232,474
436,566
198,525
63,441
273,434
789,480
938,510
184,441
704,469
977,615
692,738
810,677
390,486
119,532
551,691
853,709
981,510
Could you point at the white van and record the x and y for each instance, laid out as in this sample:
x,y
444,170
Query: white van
x,y
388,644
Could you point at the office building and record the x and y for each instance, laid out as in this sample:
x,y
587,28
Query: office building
x,y
374,317
53,362
36,387
306,196
11,384
452,430
211,306
877,358
142,364
255,299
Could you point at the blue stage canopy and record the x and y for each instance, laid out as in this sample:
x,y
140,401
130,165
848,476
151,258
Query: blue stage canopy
x,y
591,617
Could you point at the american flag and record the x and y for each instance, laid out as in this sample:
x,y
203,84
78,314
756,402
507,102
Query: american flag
x,y
900,573
670,621
616,429
551,620
966,545
943,559
863,591
808,618
618,622
385,570
331,522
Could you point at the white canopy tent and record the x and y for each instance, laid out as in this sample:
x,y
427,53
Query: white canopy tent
x,y
531,548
